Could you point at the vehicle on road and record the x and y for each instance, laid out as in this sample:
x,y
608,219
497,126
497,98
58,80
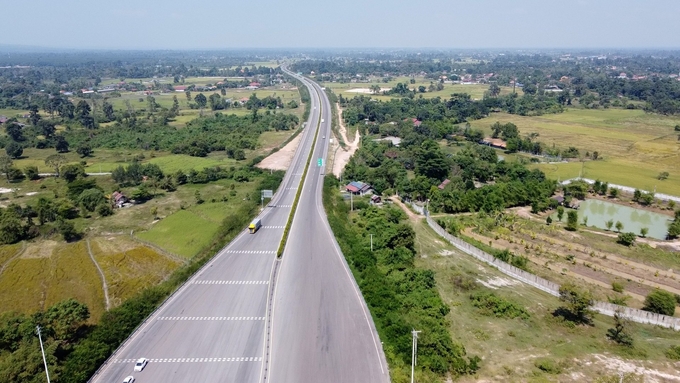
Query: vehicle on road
x,y
255,225
129,379
322,120
323,137
141,363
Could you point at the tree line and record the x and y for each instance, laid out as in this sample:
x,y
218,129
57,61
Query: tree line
x,y
401,297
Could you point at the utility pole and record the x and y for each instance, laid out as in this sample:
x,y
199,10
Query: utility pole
x,y
43,354
414,351
371,242
351,201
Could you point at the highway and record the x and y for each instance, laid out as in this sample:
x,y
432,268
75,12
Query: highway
x,y
322,330
212,329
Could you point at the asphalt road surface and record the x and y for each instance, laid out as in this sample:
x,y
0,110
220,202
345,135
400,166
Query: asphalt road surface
x,y
322,330
212,329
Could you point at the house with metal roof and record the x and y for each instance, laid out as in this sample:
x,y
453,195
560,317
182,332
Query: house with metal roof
x,y
358,187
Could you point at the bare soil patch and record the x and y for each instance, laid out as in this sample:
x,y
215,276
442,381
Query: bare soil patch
x,y
343,155
283,157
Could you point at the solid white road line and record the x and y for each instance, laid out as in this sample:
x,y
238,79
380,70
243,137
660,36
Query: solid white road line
x,y
205,282
193,360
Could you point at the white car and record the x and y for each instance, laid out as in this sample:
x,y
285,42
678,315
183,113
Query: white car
x,y
129,379
141,363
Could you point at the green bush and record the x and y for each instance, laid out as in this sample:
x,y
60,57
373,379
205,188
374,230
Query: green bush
x,y
627,239
660,302
617,286
491,304
549,366
673,353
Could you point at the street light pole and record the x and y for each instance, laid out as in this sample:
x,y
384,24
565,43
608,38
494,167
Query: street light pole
x,y
414,351
371,242
43,354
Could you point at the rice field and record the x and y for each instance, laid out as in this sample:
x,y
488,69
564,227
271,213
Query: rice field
x,y
633,146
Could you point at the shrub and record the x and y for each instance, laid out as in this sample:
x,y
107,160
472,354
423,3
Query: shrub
x,y
627,239
617,286
673,353
549,366
660,302
620,333
32,173
491,304
104,210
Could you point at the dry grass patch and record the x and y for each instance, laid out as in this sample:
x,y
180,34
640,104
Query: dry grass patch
x,y
129,267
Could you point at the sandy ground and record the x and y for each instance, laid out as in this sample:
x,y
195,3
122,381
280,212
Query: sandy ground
x,y
281,160
342,156
365,90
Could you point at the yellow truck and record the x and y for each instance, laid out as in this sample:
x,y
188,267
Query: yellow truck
x,y
255,225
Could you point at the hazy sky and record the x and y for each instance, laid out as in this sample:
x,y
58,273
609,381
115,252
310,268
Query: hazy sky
x,y
196,24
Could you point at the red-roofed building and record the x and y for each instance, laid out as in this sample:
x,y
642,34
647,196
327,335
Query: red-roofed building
x,y
443,184
180,88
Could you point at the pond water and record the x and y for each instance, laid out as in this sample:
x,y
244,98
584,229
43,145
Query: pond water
x,y
599,212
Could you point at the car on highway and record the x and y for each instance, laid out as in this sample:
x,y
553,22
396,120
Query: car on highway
x,y
129,379
141,363
323,137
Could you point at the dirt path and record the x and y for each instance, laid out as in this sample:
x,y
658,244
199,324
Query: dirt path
x,y
105,286
342,155
411,215
281,159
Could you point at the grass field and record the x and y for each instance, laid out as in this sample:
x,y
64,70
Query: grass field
x,y
511,348
634,146
10,113
173,163
186,231
129,267
476,91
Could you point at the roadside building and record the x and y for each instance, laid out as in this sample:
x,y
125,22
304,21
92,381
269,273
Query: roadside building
x,y
358,188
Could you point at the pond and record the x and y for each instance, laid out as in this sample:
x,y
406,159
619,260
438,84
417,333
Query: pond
x,y
599,212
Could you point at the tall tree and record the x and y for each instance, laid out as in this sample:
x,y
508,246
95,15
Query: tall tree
x,y
14,150
109,113
431,161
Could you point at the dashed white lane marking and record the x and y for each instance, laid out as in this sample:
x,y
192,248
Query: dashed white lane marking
x,y
273,227
230,282
194,360
252,251
292,188
284,205
212,318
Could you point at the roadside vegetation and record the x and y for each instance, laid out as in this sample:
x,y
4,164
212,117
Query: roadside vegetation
x,y
401,297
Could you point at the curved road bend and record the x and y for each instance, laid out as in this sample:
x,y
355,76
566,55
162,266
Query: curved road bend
x,y
212,329
322,330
